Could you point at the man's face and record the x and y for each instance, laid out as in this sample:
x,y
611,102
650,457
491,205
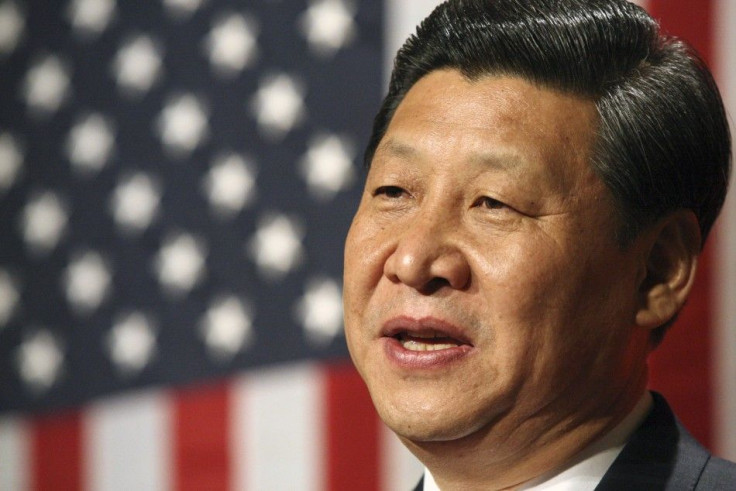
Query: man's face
x,y
484,288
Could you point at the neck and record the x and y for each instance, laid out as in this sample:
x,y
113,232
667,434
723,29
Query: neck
x,y
507,454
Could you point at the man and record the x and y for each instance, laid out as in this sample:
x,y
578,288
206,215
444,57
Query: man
x,y
542,176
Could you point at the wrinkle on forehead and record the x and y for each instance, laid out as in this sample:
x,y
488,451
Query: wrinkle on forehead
x,y
499,160
517,105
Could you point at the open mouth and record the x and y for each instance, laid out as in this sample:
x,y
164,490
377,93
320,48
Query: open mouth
x,y
427,338
426,342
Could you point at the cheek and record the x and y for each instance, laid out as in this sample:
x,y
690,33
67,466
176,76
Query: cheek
x,y
365,251
533,299
521,281
363,269
559,305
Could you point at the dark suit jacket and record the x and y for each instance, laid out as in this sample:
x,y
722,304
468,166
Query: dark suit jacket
x,y
662,456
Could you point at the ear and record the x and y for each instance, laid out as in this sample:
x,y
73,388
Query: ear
x,y
669,269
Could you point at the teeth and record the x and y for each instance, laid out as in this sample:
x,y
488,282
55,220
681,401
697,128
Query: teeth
x,y
412,345
425,336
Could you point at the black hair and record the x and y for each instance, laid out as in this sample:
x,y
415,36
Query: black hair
x,y
663,142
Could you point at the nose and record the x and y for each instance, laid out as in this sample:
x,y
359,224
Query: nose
x,y
427,259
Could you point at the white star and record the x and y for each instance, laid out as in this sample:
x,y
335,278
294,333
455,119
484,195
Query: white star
x,y
46,85
328,166
180,263
131,343
86,282
182,9
276,246
227,327
231,44
90,17
183,125
328,25
278,105
137,65
90,143
9,297
43,222
135,202
12,25
11,160
230,184
39,360
320,311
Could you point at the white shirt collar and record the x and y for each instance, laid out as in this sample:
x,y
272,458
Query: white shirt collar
x,y
585,471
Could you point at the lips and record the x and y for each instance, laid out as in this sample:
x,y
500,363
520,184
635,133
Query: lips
x,y
427,330
424,343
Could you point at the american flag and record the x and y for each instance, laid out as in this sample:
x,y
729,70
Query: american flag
x,y
176,179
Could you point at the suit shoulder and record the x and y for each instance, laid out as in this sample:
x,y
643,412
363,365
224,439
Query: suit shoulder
x,y
718,474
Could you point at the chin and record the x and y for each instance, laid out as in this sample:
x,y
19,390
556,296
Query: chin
x,y
430,421
418,431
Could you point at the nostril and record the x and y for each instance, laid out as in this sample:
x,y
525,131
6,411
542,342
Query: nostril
x,y
434,285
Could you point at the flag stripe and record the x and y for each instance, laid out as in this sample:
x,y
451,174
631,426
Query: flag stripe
x,y
401,19
399,468
128,443
279,417
352,432
14,454
56,452
201,437
239,433
725,321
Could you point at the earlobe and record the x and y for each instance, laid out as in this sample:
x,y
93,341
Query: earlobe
x,y
670,269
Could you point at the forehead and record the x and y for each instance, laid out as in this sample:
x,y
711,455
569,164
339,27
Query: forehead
x,y
493,118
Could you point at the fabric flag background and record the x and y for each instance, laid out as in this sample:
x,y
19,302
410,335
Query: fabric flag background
x,y
176,178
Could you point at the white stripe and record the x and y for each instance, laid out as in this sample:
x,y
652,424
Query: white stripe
x,y
725,267
402,18
278,429
128,443
239,435
14,454
400,469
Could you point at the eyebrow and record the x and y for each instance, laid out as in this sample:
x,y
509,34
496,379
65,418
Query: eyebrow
x,y
499,161
397,148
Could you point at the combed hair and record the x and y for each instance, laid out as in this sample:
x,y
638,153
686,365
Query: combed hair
x,y
663,142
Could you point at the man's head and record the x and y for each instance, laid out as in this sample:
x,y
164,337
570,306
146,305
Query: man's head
x,y
540,176
663,141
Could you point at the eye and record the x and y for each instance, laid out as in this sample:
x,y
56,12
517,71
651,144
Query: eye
x,y
389,191
489,203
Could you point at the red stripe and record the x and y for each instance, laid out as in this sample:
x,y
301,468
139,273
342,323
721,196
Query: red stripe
x,y
681,367
201,438
352,432
56,452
